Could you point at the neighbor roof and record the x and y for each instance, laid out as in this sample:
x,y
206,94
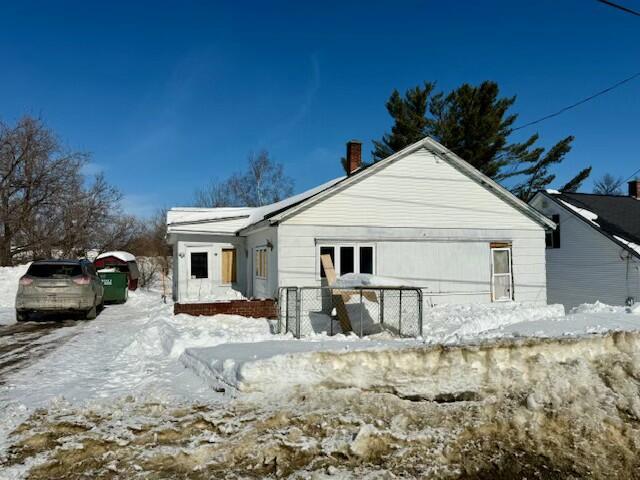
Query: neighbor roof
x,y
614,215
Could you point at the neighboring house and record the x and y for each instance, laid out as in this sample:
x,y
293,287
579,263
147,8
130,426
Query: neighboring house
x,y
423,216
594,254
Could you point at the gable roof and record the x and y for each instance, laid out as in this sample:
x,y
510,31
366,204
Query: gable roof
x,y
234,220
441,152
616,216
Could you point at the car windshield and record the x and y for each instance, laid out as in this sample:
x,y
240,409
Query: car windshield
x,y
54,270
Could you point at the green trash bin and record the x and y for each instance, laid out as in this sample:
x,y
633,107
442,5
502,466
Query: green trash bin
x,y
116,286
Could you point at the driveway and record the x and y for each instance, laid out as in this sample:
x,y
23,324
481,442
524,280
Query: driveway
x,y
21,344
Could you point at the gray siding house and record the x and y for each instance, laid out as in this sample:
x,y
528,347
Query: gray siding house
x,y
422,216
594,254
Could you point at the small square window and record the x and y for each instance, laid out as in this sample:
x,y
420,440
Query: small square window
x,y
199,265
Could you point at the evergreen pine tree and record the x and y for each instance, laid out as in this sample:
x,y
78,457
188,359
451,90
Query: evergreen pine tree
x,y
475,123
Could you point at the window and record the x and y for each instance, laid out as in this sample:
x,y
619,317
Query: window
x,y
366,260
347,260
350,258
228,265
501,275
261,262
552,237
331,251
54,270
199,265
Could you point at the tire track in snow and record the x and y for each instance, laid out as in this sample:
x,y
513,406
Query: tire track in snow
x,y
23,343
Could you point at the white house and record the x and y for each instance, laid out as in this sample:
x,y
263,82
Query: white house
x,y
423,216
594,254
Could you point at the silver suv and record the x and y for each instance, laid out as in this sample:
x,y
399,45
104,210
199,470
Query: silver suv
x,y
59,286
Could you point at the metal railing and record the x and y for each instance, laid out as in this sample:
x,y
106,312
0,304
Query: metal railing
x,y
304,311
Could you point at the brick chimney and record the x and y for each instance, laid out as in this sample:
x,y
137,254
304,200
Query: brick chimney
x,y
634,189
354,156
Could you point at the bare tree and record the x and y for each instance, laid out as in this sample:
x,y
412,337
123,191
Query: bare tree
x,y
35,172
608,185
263,182
46,206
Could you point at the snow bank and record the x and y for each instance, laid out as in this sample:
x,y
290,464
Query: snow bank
x,y
255,366
455,323
9,277
412,371
598,307
271,366
183,331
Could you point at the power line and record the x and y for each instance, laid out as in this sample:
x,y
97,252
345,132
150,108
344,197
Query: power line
x,y
584,100
619,7
631,176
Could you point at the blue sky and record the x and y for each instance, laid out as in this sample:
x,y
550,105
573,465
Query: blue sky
x,y
169,95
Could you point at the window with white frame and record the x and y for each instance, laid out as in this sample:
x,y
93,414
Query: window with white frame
x,y
261,262
347,258
501,274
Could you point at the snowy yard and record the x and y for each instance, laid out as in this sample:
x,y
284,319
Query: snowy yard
x,y
141,392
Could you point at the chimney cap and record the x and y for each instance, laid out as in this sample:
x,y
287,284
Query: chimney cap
x,y
353,140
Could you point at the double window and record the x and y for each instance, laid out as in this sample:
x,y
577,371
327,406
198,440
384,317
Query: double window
x,y
348,258
261,262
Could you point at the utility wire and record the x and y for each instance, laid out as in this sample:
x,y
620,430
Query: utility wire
x,y
584,100
631,176
619,7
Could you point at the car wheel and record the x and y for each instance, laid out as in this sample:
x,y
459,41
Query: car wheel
x,y
22,316
92,313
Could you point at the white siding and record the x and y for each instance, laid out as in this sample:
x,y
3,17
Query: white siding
x,y
439,260
417,191
213,245
588,266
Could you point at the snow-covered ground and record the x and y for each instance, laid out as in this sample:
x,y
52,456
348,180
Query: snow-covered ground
x,y
137,364
9,277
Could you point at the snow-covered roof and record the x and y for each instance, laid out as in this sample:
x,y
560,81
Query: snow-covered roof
x,y
227,220
124,256
615,216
